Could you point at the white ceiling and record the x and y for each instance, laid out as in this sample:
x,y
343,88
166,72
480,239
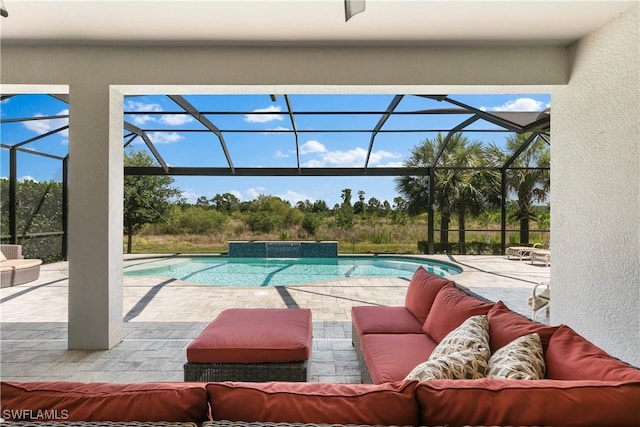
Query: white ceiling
x,y
257,22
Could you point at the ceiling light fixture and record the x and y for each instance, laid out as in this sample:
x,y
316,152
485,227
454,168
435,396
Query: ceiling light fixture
x,y
3,10
353,7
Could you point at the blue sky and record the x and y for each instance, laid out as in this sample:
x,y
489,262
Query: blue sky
x,y
179,147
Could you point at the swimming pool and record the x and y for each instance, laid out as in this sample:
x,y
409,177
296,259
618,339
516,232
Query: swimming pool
x,y
249,272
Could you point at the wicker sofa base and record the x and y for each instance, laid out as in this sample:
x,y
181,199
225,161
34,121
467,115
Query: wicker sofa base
x,y
253,372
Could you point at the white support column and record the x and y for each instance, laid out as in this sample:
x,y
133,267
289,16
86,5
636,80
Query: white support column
x,y
95,216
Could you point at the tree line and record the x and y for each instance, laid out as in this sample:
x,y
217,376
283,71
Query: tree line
x,y
466,186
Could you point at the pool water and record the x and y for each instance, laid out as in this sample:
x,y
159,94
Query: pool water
x,y
249,272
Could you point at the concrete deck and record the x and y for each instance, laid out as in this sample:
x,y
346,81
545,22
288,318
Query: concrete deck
x,y
162,316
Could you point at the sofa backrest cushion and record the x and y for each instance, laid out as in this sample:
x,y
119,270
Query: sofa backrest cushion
x,y
528,402
571,357
74,401
450,308
422,291
505,326
386,404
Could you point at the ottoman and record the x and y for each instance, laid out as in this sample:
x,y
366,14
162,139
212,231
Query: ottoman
x,y
252,344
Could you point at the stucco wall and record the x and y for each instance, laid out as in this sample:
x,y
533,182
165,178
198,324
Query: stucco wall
x,y
595,176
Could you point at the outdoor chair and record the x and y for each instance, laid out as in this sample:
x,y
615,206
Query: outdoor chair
x,y
520,252
15,269
540,299
542,255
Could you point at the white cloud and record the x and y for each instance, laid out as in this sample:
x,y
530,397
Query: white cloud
x,y
236,193
294,197
176,119
351,158
312,146
280,155
141,106
27,178
520,104
253,193
392,165
190,196
43,126
164,137
264,118
278,128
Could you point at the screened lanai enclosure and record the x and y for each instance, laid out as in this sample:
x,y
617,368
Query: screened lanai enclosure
x,y
424,147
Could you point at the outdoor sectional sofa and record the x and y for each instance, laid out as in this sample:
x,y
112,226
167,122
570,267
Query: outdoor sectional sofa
x,y
15,269
584,386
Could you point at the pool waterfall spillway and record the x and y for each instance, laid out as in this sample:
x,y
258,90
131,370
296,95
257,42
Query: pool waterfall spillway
x,y
283,249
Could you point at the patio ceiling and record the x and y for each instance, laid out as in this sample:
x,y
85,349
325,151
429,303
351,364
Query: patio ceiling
x,y
387,122
304,22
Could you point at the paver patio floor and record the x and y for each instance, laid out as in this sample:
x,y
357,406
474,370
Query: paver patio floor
x,y
162,316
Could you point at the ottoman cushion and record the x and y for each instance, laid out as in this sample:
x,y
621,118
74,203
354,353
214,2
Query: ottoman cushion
x,y
254,335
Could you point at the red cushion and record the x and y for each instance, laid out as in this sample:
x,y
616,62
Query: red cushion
x,y
422,291
385,404
505,326
450,308
572,357
254,335
390,357
384,320
493,402
74,401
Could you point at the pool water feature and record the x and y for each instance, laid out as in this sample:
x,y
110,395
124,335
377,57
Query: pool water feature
x,y
251,272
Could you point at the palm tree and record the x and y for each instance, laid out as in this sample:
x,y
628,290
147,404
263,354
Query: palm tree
x,y
456,191
529,179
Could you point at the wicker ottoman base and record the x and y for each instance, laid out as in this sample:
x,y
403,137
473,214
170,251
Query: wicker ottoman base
x,y
254,372
252,344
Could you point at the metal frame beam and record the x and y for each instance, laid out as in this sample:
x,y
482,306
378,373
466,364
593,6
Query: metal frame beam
x,y
211,171
385,116
295,131
178,99
133,128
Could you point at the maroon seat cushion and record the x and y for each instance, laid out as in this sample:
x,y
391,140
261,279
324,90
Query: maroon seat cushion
x,y
390,357
422,291
384,320
254,335
572,357
505,326
491,402
75,401
450,308
318,403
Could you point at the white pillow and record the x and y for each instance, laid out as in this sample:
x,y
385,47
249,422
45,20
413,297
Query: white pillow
x,y
465,364
462,354
2,257
472,334
521,359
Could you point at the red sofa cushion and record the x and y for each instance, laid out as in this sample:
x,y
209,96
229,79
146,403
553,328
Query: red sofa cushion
x,y
75,401
390,357
384,320
385,404
422,291
520,402
450,308
505,326
571,357
254,335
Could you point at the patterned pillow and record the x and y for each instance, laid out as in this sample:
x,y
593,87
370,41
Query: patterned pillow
x,y
465,364
472,334
521,359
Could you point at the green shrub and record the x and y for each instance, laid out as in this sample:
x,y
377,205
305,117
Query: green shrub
x,y
311,222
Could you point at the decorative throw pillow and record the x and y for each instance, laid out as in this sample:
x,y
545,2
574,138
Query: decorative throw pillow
x,y
521,359
466,364
2,257
472,334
